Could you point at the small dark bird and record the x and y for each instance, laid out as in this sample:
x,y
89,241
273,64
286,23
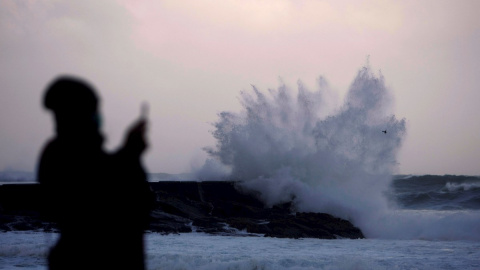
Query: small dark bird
x,y
384,131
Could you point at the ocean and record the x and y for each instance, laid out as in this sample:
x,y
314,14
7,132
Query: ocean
x,y
27,250
299,147
430,201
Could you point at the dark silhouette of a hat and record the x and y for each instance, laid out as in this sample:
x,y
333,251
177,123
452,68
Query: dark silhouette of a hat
x,y
70,95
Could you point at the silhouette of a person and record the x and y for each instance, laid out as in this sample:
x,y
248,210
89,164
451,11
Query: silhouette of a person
x,y
100,201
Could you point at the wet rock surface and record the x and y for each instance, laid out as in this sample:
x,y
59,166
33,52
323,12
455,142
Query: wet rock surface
x,y
211,207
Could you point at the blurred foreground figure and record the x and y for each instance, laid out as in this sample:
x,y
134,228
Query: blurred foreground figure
x,y
100,201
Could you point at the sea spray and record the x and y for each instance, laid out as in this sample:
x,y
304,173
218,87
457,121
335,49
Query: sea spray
x,y
297,147
334,160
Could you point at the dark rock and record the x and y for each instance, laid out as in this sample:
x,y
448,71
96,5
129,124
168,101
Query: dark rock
x,y
182,207
167,223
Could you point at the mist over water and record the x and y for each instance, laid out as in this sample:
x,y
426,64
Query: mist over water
x,y
297,145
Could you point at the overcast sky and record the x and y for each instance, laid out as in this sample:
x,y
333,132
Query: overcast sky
x,y
190,60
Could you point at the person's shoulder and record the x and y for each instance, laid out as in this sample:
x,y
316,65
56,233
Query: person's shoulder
x,y
51,145
52,151
47,160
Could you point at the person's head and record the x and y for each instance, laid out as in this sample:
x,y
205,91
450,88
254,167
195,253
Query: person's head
x,y
74,104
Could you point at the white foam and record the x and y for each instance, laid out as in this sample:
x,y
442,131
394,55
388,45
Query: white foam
x,y
452,187
286,146
190,251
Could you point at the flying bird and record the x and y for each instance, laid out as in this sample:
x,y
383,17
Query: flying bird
x,y
384,131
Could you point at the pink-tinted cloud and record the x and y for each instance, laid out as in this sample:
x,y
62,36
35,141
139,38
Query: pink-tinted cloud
x,y
275,37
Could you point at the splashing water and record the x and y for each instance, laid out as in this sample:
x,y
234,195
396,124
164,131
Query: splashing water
x,y
298,148
281,144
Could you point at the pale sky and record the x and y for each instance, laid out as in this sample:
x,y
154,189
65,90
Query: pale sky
x,y
190,59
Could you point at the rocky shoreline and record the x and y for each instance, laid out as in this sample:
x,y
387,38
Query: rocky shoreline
x,y
213,207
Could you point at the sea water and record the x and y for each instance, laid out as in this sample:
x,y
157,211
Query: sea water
x,y
28,250
436,226
297,147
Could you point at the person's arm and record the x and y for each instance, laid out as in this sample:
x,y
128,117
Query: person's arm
x,y
135,143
